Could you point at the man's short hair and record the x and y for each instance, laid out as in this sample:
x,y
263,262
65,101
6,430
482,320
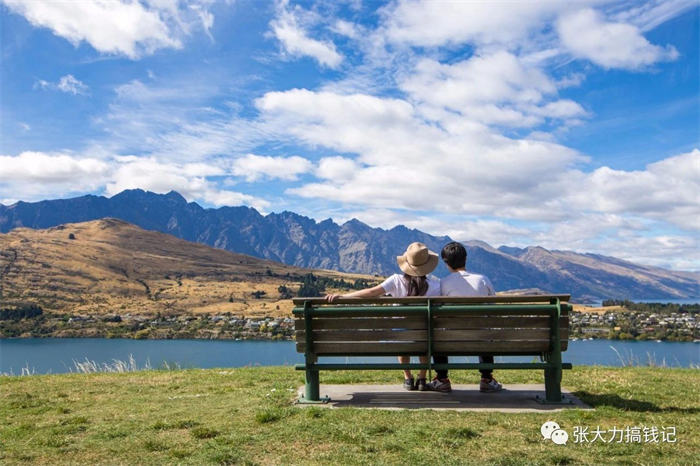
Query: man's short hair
x,y
454,255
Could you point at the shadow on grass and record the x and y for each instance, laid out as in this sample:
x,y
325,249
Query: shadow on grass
x,y
596,400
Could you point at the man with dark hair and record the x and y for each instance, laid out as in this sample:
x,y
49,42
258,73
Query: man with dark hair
x,y
462,283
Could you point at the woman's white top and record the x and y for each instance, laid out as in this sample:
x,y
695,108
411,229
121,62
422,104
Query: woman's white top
x,y
397,286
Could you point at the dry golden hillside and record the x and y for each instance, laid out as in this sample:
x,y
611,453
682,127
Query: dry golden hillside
x,y
110,266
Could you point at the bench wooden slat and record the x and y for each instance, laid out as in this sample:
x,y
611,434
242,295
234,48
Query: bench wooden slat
x,y
488,335
319,323
533,347
494,347
446,313
388,348
367,335
496,322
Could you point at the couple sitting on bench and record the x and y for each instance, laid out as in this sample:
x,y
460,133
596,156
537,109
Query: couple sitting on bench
x,y
416,263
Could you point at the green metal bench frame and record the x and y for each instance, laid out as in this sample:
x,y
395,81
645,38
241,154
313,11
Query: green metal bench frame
x,y
551,361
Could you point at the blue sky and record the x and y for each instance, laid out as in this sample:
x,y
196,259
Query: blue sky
x,y
570,125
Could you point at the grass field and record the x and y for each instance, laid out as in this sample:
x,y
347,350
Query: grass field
x,y
246,416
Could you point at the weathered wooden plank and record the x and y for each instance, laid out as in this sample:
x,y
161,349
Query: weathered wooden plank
x,y
366,335
320,323
391,349
496,322
494,347
533,347
497,311
439,299
488,335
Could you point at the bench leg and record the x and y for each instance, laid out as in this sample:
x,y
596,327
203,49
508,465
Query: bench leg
x,y
552,389
311,391
552,385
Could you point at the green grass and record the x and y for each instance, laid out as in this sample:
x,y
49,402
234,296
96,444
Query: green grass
x,y
246,416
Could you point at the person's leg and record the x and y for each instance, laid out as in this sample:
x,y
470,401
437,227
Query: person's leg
x,y
440,359
488,383
423,372
486,373
406,372
408,382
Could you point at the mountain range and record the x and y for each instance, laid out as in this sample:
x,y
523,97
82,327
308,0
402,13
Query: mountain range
x,y
110,266
355,247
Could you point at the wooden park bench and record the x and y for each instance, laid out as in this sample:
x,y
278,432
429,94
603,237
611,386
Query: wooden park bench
x,y
455,326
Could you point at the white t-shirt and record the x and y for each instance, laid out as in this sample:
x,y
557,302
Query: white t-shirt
x,y
397,286
463,283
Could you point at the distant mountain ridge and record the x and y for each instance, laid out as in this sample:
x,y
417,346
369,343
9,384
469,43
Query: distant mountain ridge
x,y
354,246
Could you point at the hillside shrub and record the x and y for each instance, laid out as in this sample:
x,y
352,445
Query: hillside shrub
x,y
21,311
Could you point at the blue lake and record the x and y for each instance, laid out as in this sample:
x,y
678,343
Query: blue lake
x,y
57,355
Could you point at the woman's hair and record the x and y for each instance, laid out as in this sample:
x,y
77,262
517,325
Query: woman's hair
x,y
417,286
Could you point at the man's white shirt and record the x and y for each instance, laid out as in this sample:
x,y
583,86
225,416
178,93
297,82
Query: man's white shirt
x,y
463,283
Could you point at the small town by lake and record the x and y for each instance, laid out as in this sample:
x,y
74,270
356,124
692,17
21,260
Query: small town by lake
x,y
61,355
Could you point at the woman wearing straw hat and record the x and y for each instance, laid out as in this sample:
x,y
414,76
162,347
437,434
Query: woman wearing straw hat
x,y
417,262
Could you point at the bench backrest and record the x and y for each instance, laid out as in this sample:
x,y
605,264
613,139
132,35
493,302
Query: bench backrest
x,y
457,326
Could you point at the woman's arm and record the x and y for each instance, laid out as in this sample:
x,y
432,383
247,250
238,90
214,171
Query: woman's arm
x,y
373,292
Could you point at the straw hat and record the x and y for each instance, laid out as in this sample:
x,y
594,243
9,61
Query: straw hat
x,y
418,260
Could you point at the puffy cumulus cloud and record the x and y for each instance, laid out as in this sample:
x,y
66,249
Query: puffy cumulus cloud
x,y
430,23
190,180
667,190
336,168
31,175
39,167
288,28
68,84
497,88
586,34
406,162
116,27
255,167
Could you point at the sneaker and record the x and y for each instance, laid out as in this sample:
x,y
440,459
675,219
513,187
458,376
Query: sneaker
x,y
421,385
439,385
408,384
490,386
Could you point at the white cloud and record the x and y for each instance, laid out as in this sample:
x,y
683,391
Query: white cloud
x,y
71,85
190,180
116,27
404,162
346,28
431,23
497,88
586,34
295,40
650,14
68,84
412,164
32,175
336,168
39,167
667,190
255,167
